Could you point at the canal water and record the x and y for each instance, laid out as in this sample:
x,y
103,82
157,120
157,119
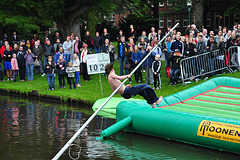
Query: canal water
x,y
36,130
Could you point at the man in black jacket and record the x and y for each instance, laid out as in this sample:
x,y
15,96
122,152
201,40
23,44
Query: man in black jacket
x,y
104,36
123,49
201,48
211,44
15,38
105,47
48,51
37,51
21,63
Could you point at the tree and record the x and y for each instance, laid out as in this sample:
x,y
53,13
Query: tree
x,y
29,16
66,13
22,15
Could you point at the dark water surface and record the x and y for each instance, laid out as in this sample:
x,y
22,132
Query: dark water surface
x,y
32,129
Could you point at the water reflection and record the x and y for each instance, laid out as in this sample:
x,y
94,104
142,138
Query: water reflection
x,y
135,146
31,129
36,130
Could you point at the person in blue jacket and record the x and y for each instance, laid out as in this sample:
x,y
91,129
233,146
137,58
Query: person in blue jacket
x,y
177,44
136,59
59,53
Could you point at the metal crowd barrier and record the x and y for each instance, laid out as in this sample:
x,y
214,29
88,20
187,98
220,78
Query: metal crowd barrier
x,y
232,58
204,64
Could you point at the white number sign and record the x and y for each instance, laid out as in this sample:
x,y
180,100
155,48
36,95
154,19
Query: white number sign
x,y
96,62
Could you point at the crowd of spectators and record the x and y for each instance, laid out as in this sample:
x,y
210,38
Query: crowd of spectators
x,y
52,57
176,47
68,58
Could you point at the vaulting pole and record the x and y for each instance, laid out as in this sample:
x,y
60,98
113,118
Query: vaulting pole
x,y
58,155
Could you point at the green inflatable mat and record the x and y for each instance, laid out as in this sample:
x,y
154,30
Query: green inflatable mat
x,y
206,115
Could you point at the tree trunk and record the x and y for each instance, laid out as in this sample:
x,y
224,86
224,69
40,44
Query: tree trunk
x,y
76,28
197,13
91,23
156,15
68,21
67,28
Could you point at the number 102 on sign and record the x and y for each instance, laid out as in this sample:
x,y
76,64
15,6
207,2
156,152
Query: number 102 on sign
x,y
96,68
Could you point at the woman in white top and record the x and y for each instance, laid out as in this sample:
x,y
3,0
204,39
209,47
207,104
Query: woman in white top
x,y
76,65
84,63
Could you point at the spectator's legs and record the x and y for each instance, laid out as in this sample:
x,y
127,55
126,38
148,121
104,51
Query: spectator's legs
x,y
31,71
44,64
53,80
1,73
167,61
121,65
15,75
49,81
155,80
125,60
60,80
213,63
67,58
27,71
77,78
151,76
140,73
63,79
74,85
40,67
159,80
176,74
147,75
171,75
136,75
69,82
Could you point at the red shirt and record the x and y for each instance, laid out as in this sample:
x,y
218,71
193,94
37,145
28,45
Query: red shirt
x,y
3,48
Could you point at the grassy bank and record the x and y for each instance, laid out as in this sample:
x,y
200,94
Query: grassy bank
x,y
91,90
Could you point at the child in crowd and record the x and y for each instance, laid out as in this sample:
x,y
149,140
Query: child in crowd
x,y
83,59
29,61
28,44
96,43
76,65
131,43
136,58
111,52
175,70
156,68
70,71
61,66
14,65
49,67
7,56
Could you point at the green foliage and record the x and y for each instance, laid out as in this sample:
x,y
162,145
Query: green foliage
x,y
33,16
234,9
23,16
177,7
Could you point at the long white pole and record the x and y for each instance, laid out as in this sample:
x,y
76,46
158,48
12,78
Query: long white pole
x,y
57,156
